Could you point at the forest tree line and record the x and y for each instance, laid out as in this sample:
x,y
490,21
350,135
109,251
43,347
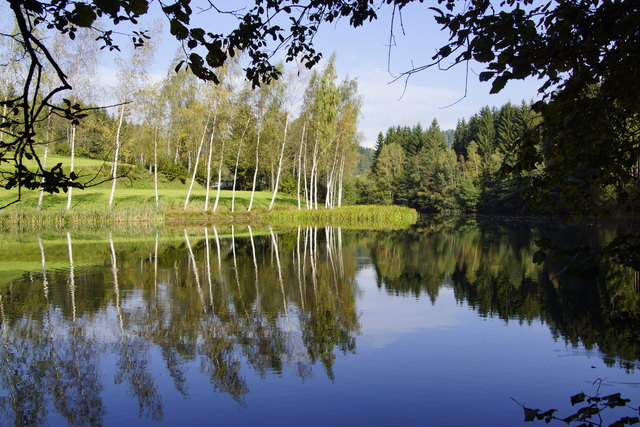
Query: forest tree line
x,y
466,169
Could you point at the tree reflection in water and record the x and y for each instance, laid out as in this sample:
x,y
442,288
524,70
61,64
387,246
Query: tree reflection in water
x,y
268,302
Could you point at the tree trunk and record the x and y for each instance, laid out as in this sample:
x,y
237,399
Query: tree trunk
x,y
72,145
114,169
215,205
314,176
195,169
341,180
304,128
313,182
327,196
255,172
304,176
206,198
44,156
328,202
4,107
155,168
235,177
284,140
235,171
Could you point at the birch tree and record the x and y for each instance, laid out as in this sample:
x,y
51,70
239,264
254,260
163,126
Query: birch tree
x,y
80,58
290,92
261,104
132,76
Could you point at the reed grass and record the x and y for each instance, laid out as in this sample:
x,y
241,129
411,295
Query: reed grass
x,y
358,216
355,216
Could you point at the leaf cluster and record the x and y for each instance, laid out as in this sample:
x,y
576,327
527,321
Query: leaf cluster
x,y
589,414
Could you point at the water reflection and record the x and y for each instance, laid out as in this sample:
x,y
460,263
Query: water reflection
x,y
241,302
488,265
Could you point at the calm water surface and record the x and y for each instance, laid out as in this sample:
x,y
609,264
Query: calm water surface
x,y
437,325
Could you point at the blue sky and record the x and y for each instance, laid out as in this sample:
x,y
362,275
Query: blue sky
x,y
362,53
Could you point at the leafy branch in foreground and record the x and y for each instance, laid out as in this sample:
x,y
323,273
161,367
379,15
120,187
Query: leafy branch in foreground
x,y
589,413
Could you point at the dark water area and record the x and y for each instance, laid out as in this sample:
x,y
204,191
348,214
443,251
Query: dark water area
x,y
441,324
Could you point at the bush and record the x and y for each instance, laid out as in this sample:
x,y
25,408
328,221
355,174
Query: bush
x,y
172,171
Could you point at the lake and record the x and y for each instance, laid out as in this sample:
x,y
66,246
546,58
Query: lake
x,y
442,324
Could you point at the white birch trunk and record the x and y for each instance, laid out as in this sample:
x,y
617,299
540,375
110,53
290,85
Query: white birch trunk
x,y
235,177
328,200
304,128
284,141
72,144
313,182
44,156
235,171
155,168
4,107
255,172
215,205
341,181
114,169
304,176
206,196
327,196
193,177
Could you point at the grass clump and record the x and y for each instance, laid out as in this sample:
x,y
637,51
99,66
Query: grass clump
x,y
356,216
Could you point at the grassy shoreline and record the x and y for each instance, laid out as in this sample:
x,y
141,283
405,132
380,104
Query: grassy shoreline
x,y
135,206
363,217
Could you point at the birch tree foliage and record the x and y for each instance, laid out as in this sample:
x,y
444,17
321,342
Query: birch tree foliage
x,y
183,108
132,78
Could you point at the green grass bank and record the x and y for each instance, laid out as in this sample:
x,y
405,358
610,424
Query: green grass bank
x,y
134,205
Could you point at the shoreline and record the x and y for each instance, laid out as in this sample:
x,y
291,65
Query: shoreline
x,y
352,216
